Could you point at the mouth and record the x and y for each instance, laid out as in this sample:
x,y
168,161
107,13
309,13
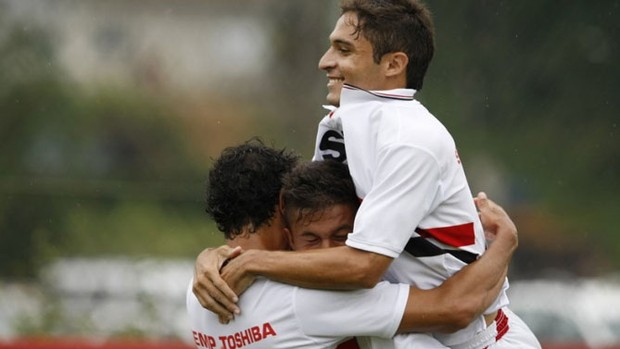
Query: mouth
x,y
334,80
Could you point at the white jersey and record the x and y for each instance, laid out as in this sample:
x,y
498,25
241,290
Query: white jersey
x,y
277,315
415,196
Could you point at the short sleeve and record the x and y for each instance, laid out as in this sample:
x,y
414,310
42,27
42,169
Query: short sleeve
x,y
404,190
365,312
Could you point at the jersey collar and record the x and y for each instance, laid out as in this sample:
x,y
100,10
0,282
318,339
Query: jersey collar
x,y
353,94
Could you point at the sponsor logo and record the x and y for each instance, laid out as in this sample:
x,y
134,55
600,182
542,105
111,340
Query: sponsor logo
x,y
236,340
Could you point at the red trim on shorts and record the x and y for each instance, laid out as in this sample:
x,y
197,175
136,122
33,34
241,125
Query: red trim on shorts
x,y
501,324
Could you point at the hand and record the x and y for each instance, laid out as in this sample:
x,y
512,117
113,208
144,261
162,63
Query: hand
x,y
211,290
236,274
495,220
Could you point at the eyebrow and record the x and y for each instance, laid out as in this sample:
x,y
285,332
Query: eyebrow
x,y
308,233
342,42
347,227
340,228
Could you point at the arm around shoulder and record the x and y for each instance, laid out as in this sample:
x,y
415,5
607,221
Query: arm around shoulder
x,y
333,268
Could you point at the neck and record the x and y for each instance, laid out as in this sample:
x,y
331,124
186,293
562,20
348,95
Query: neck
x,y
268,237
247,241
395,82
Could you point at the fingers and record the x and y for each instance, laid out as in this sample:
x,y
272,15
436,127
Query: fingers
x,y
495,220
489,211
214,294
222,292
224,319
219,290
481,200
235,252
225,254
211,290
210,303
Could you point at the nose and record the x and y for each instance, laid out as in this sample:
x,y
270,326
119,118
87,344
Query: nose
x,y
326,62
327,243
331,243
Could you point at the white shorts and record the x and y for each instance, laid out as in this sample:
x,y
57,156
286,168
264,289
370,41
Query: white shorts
x,y
507,331
513,333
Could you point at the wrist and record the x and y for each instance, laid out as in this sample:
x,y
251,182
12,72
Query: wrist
x,y
252,262
507,239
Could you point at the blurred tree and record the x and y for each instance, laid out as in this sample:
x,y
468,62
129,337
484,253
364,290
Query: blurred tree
x,y
28,225
533,84
67,151
300,37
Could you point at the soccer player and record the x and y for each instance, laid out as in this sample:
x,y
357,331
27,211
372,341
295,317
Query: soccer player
x,y
417,223
318,204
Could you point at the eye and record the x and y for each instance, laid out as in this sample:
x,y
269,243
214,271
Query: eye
x,y
343,49
311,239
340,238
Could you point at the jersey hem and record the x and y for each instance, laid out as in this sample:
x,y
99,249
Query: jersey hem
x,y
372,248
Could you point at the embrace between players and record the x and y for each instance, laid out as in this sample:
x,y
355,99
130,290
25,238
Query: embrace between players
x,y
411,263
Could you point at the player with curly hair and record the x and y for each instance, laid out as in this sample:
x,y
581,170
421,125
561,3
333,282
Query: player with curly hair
x,y
319,202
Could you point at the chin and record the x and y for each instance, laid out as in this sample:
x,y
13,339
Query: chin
x,y
333,99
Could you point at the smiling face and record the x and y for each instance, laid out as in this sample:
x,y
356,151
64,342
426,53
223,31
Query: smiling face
x,y
349,59
327,228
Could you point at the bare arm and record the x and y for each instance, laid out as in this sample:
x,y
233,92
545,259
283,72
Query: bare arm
x,y
348,268
333,268
469,292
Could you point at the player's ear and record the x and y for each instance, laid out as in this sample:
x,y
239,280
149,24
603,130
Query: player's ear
x,y
287,232
289,237
395,63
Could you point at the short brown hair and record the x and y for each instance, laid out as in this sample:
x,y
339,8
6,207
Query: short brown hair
x,y
397,26
312,187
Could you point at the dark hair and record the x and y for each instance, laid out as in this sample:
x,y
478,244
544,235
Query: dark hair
x,y
244,186
397,26
311,187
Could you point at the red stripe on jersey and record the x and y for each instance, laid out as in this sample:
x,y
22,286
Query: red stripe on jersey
x,y
456,235
350,344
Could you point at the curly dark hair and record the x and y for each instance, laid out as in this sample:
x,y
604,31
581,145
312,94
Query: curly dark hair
x,y
244,185
397,26
314,186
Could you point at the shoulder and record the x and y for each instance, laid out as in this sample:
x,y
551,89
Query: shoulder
x,y
418,125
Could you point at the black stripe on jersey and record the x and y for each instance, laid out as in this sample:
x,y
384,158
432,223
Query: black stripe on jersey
x,y
420,247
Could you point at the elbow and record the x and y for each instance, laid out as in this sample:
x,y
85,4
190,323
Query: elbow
x,y
463,320
368,281
461,315
365,270
362,277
